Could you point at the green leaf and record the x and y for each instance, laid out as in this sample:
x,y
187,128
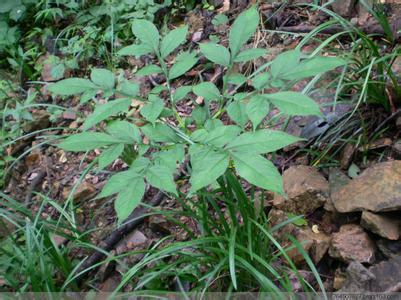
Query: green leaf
x,y
220,19
249,54
184,62
117,183
217,137
207,165
285,62
147,33
257,109
237,112
207,90
236,78
86,141
243,29
160,133
199,114
312,67
261,141
103,78
126,132
170,157
109,155
172,40
216,53
152,109
161,177
294,104
181,92
149,70
128,199
103,111
298,220
128,88
259,171
261,81
72,86
135,50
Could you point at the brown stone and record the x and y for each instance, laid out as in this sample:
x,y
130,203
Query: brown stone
x,y
41,120
339,279
276,217
160,223
384,226
377,189
315,243
352,243
82,192
305,188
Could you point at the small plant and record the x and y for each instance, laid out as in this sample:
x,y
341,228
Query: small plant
x,y
212,147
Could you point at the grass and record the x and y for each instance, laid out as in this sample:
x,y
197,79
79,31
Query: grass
x,y
31,259
234,249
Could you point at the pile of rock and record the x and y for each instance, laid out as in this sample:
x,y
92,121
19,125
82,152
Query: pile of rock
x,y
352,221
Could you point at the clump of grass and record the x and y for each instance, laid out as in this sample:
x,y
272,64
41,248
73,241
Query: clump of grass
x,y
235,250
31,258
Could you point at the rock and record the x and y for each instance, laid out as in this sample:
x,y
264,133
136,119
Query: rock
x,y
339,279
337,179
359,279
381,225
346,156
133,240
352,243
344,8
389,249
276,217
397,148
82,192
387,273
41,120
306,189
160,223
315,243
377,189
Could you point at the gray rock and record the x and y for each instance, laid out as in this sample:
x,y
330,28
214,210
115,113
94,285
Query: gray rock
x,y
359,279
389,249
377,189
382,225
352,243
344,8
306,189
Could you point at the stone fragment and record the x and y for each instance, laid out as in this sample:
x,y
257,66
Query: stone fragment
x,y
397,148
359,279
316,244
306,189
389,249
82,192
133,240
276,217
339,279
387,273
160,223
377,189
352,243
344,8
40,120
384,226
337,179
346,156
